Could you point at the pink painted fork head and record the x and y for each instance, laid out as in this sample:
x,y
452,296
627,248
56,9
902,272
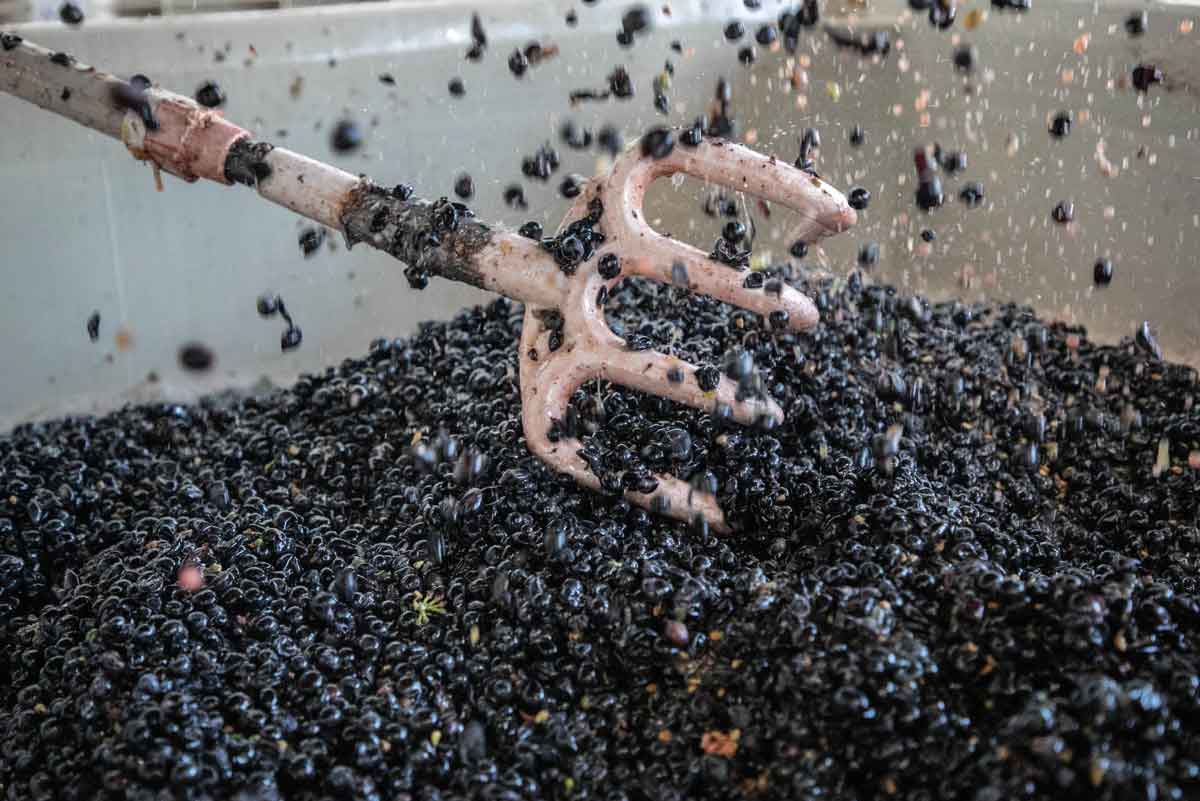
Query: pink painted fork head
x,y
556,360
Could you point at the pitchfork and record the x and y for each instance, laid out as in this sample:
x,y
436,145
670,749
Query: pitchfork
x,y
176,135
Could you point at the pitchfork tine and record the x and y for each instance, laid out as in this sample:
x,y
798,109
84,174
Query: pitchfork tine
x,y
589,349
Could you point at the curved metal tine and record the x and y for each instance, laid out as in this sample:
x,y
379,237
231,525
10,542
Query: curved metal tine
x,y
546,389
823,210
657,373
547,383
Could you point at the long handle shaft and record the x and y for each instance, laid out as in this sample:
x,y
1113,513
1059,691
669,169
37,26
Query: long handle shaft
x,y
177,135
69,89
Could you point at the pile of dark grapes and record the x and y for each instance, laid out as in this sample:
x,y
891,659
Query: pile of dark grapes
x,y
966,568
